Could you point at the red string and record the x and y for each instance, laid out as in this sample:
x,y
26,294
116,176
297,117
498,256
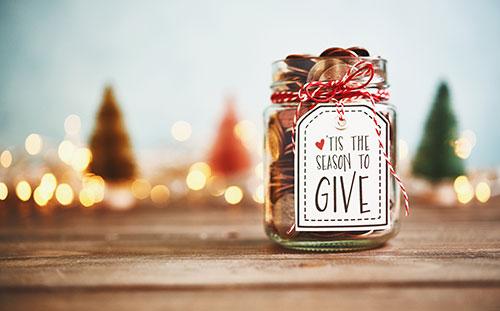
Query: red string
x,y
343,91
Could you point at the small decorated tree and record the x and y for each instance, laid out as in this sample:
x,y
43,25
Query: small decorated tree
x,y
436,159
228,155
112,156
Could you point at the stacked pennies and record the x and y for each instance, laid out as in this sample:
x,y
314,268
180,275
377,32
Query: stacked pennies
x,y
332,64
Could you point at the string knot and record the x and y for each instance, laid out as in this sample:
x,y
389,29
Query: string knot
x,y
334,90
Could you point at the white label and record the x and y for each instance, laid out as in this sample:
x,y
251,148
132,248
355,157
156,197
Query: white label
x,y
341,175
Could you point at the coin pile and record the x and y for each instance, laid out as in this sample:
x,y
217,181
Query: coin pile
x,y
332,64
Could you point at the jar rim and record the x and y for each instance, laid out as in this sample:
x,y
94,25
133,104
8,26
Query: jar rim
x,y
292,73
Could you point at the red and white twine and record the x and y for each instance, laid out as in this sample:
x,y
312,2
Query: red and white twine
x,y
341,92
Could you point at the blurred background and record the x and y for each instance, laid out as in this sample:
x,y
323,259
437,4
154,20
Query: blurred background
x,y
169,81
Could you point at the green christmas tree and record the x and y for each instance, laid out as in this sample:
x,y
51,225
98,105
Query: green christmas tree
x,y
436,159
112,156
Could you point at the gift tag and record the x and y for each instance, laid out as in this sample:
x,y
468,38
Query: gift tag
x,y
341,175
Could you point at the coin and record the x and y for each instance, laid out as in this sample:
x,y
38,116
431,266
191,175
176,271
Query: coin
x,y
328,69
278,143
289,80
284,214
297,69
361,52
281,178
274,141
285,118
329,50
292,76
300,63
337,52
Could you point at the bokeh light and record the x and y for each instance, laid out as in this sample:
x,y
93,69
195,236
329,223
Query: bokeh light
x,y
201,167
483,192
4,191
23,190
72,124
65,151
463,189
6,158
45,191
64,194
93,189
41,196
196,180
160,194
464,144
246,131
141,189
258,196
81,159
181,130
86,197
33,144
463,148
78,158
233,195
459,182
48,182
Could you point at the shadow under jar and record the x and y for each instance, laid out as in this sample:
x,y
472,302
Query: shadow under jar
x,y
280,209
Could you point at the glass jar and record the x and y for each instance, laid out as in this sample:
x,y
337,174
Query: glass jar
x,y
280,209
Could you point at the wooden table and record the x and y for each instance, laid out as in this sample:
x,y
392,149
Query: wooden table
x,y
220,259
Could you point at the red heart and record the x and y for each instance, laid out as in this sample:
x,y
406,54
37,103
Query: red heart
x,y
320,144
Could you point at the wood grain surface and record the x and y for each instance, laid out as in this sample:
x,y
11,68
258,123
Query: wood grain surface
x,y
220,259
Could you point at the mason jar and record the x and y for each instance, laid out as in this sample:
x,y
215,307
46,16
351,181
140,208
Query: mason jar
x,y
281,209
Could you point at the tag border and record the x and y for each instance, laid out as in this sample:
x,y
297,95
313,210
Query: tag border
x,y
306,228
